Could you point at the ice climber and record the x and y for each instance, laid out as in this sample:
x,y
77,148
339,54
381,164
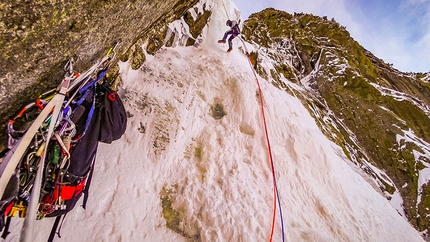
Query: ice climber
x,y
234,31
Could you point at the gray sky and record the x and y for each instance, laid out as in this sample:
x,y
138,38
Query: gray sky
x,y
396,31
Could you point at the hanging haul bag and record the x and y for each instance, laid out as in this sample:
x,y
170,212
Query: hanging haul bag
x,y
91,112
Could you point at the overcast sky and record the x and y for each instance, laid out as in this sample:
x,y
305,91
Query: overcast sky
x,y
396,31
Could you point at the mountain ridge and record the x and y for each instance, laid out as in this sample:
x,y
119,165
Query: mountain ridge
x,y
364,97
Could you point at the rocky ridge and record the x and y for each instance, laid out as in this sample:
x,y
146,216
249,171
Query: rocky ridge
x,y
378,114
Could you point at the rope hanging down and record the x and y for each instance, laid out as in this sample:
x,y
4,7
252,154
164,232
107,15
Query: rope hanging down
x,y
225,9
275,187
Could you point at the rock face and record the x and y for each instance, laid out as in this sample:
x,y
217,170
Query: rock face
x,y
379,115
41,36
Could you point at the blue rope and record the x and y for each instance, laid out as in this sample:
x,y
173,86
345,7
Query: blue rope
x,y
94,82
280,210
87,90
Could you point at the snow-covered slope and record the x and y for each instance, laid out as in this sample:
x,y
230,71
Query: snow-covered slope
x,y
194,163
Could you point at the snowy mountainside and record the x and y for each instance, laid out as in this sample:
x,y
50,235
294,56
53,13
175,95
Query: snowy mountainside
x,y
194,162
377,114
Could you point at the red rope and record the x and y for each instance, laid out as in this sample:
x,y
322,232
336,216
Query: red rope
x,y
269,149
